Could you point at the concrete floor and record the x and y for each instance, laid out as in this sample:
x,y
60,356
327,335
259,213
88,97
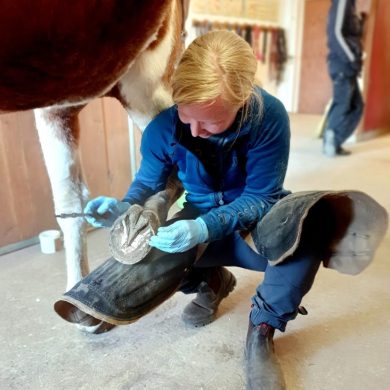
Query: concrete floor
x,y
342,344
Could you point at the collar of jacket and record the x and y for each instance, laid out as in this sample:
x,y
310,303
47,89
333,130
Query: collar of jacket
x,y
224,139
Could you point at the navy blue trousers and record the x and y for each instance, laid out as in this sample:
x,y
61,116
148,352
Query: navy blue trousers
x,y
346,108
280,293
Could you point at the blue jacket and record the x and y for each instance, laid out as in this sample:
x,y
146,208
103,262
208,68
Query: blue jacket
x,y
344,32
234,178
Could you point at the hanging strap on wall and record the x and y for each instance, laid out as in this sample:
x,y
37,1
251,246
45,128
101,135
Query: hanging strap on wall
x,y
268,43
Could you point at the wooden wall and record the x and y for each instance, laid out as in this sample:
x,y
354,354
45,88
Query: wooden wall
x,y
377,109
26,205
25,198
315,88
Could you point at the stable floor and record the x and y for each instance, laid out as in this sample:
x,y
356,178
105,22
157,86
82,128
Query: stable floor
x,y
343,343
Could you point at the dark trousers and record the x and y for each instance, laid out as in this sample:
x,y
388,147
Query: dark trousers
x,y
280,293
346,108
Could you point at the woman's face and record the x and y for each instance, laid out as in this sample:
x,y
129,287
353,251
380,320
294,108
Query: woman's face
x,y
206,119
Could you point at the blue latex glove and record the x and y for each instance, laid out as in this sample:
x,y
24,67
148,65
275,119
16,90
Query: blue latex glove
x,y
105,211
180,236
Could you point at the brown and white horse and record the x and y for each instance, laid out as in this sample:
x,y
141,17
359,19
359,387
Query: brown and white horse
x,y
56,56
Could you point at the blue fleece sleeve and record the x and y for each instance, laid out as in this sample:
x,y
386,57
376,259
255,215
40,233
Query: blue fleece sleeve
x,y
156,163
266,167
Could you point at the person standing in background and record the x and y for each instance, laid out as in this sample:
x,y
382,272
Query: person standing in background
x,y
344,32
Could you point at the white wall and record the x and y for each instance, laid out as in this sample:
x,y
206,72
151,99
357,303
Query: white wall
x,y
291,19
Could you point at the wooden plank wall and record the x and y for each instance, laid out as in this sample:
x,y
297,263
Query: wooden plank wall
x,y
377,109
25,197
315,88
26,205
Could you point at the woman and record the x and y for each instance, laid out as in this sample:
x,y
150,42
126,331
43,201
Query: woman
x,y
229,141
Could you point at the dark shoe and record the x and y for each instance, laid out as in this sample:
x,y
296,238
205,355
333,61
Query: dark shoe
x,y
329,146
202,310
342,152
263,369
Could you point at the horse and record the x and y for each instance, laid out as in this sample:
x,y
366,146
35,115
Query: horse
x,y
56,56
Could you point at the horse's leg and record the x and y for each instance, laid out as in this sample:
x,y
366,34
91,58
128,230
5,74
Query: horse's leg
x,y
58,131
144,90
150,77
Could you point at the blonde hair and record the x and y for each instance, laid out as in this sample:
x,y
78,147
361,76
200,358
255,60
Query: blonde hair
x,y
219,63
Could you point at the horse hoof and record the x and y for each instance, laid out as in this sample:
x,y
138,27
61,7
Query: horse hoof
x,y
101,327
83,321
130,234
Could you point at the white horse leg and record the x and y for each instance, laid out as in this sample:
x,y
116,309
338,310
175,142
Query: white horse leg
x,y
58,130
144,90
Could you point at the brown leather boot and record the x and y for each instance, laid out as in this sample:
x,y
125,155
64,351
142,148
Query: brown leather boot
x,y
216,284
263,369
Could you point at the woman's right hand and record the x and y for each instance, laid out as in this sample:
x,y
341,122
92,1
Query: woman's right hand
x,y
104,211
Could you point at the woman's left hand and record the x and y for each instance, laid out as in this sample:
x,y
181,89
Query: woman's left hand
x,y
180,236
